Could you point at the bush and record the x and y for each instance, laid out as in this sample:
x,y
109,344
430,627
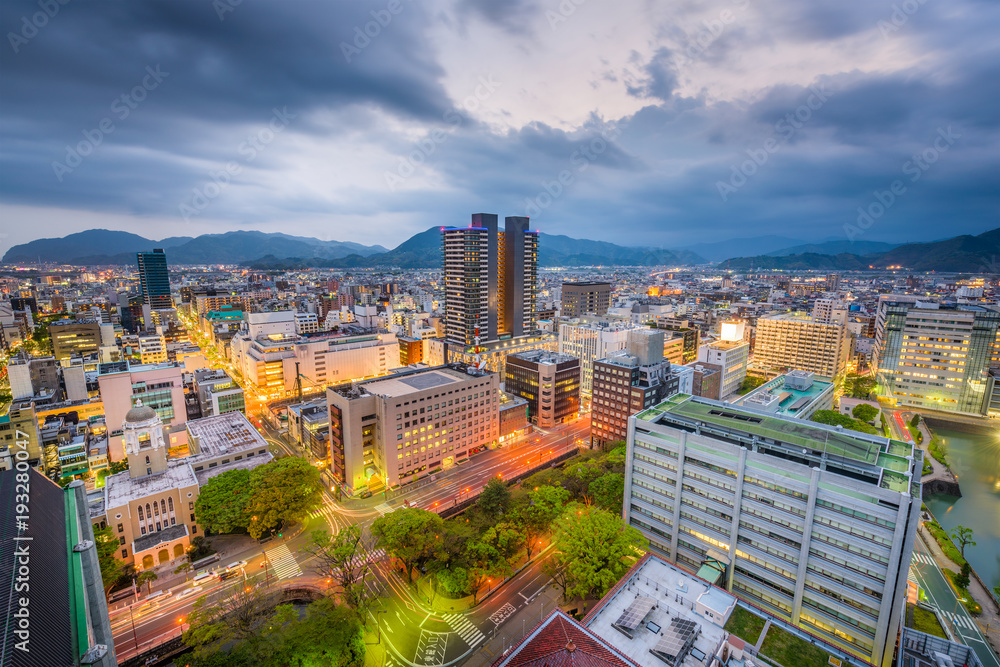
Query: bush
x,y
938,450
915,422
834,418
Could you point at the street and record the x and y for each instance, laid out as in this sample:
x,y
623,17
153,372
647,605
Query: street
x,y
941,596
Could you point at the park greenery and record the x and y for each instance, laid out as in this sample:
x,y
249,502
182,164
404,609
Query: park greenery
x,y
750,383
577,506
834,418
938,450
260,501
859,386
864,412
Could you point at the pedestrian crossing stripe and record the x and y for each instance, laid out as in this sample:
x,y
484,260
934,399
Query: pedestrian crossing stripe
x,y
959,620
283,563
921,558
384,508
464,628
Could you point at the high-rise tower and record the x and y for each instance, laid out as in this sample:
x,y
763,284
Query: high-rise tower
x,y
490,279
154,279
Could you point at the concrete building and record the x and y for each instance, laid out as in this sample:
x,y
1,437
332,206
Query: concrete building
x,y
19,431
627,382
336,358
491,355
31,376
548,381
796,394
581,298
122,385
154,280
308,427
795,340
589,341
392,431
731,356
150,507
75,338
811,524
936,356
217,392
306,323
279,323
490,279
706,379
152,348
829,311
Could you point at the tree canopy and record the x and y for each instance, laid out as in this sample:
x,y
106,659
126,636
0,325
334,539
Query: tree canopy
x,y
410,534
222,503
864,412
494,499
608,492
834,418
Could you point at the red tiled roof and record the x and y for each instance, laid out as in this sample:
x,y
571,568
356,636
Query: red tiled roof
x,y
562,642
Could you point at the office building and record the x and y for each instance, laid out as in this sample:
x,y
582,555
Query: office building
x,y
309,427
75,338
548,381
217,392
336,358
589,341
490,279
31,376
160,387
829,311
581,298
398,429
150,507
795,340
19,431
936,356
152,348
706,380
832,282
277,324
492,355
812,524
730,353
628,382
56,610
154,279
681,329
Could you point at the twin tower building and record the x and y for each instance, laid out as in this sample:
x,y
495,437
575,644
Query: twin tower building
x,y
490,279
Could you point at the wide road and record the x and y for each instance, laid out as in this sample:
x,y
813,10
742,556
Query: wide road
x,y
941,596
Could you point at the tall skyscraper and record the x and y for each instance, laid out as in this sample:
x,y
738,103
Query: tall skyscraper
x,y
154,279
490,279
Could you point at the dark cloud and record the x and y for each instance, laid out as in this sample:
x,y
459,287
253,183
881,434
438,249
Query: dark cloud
x,y
650,177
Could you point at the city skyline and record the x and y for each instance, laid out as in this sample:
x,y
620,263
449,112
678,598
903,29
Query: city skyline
x,y
864,122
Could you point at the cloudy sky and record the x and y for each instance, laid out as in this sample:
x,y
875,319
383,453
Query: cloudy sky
x,y
643,123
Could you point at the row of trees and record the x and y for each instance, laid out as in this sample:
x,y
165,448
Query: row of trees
x,y
579,504
834,418
259,501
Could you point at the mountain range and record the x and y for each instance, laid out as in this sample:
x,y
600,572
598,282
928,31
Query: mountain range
x,y
966,253
423,250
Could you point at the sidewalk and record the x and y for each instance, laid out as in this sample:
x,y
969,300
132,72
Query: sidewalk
x,y
989,621
514,628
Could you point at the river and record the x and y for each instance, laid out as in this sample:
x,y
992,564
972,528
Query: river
x,y
975,459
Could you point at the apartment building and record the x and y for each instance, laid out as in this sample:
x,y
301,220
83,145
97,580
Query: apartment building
x,y
217,392
795,340
592,340
122,385
581,298
731,356
936,356
75,338
810,524
548,381
395,430
152,348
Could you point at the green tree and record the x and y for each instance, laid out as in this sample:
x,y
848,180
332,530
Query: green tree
x,y
963,536
112,569
551,500
346,557
230,616
834,418
283,491
594,548
115,467
454,580
494,500
859,386
410,534
222,503
608,492
327,634
996,592
864,412
505,539
915,422
963,578
486,564
580,475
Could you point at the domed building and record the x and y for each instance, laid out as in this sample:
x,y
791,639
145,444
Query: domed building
x,y
150,508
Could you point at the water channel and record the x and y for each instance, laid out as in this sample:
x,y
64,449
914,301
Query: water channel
x,y
975,459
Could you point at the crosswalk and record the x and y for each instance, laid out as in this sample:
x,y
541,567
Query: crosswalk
x,y
283,563
329,515
464,628
923,559
961,621
384,509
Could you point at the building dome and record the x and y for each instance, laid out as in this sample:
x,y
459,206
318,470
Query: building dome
x,y
140,413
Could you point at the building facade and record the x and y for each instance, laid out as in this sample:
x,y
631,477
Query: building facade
x,y
580,298
549,382
75,338
808,523
936,356
589,341
798,341
154,279
732,356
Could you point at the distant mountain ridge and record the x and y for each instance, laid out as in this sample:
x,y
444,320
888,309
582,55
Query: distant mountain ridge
x,y
961,254
102,246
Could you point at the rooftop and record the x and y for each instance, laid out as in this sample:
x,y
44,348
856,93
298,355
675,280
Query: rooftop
x,y
790,401
243,464
559,641
220,434
660,610
155,539
543,356
121,489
